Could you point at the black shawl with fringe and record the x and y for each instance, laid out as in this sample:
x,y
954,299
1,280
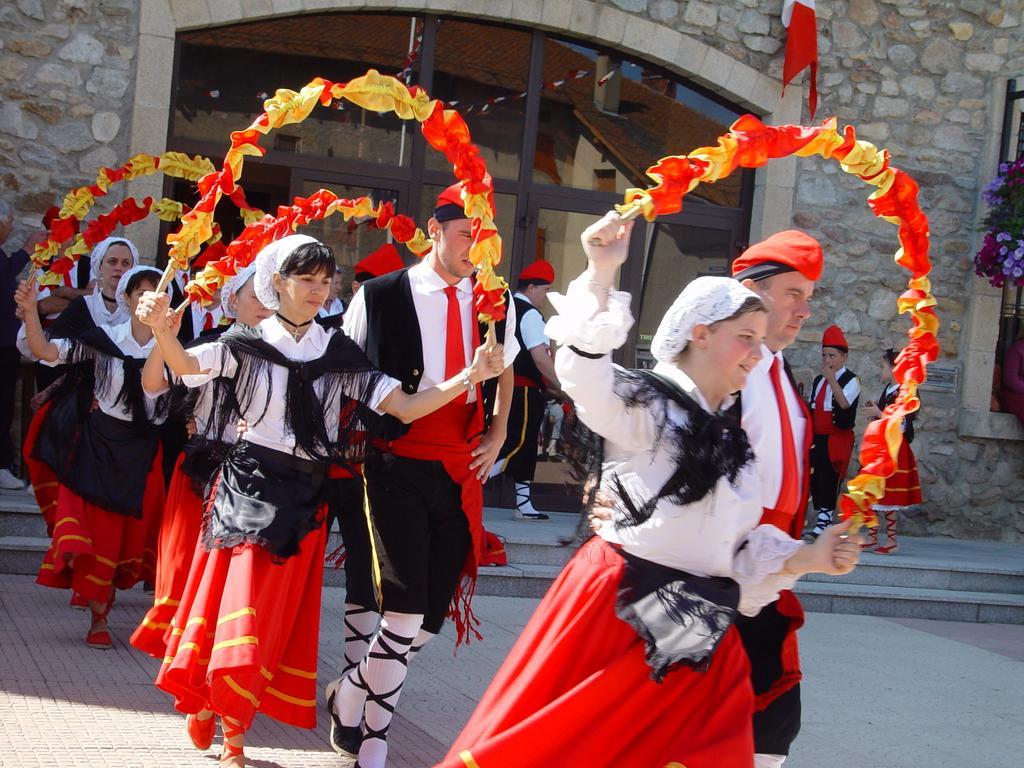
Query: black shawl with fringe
x,y
103,459
342,373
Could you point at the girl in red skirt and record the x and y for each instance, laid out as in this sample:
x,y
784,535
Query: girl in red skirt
x,y
108,463
635,634
193,471
108,261
903,488
244,637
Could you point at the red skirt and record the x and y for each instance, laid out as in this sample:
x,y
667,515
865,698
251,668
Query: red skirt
x,y
575,689
93,551
179,532
245,636
44,481
903,487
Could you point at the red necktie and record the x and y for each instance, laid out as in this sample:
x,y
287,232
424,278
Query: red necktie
x,y
789,490
454,345
208,322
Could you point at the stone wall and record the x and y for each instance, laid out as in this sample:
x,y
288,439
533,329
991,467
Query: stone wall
x,y
920,77
917,78
66,72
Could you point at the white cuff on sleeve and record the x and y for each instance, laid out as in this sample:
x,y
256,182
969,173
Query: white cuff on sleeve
x,y
578,323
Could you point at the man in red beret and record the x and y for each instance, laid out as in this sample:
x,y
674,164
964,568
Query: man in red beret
x,y
424,484
534,373
834,396
380,262
782,270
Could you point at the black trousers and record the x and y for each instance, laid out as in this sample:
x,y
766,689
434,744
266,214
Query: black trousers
x,y
777,725
518,456
824,478
345,503
9,367
420,533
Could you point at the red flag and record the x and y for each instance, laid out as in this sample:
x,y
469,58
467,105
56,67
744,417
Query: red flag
x,y
801,45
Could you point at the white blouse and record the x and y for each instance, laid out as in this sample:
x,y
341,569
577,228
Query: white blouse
x,y
101,316
851,390
431,305
121,335
270,430
718,535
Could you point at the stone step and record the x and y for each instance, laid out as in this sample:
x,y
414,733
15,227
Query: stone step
x,y
910,603
22,554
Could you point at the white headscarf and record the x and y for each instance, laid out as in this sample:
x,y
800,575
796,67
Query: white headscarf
x,y
97,254
704,301
122,284
268,261
232,287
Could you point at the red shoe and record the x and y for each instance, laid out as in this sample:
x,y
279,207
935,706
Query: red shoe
x,y
200,731
100,640
78,602
231,756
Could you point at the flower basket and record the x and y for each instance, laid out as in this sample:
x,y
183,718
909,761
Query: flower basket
x,y
1001,258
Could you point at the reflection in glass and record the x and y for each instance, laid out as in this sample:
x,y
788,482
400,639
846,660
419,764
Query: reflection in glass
x,y
504,219
602,131
475,65
675,255
351,240
558,242
226,73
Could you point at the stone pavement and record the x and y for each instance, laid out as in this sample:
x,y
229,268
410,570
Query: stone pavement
x,y
879,693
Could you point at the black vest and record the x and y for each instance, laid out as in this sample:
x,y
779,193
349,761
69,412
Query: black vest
x,y
394,342
842,418
524,365
885,400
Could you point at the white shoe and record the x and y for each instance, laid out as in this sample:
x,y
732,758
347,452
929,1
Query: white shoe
x,y
9,482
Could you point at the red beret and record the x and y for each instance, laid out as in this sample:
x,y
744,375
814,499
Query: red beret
x,y
833,337
449,204
540,271
788,251
382,261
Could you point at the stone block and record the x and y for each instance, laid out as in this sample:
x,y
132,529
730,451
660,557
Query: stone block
x,y
53,73
222,11
156,18
631,6
984,62
527,11
700,14
153,81
12,68
639,35
584,18
753,22
663,10
941,56
961,30
190,13
33,9
15,122
556,14
100,157
611,25
282,7
32,47
69,137
689,55
105,126
716,68
83,48
148,132
254,8
111,83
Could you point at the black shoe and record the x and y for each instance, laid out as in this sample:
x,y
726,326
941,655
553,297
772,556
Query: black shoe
x,y
345,739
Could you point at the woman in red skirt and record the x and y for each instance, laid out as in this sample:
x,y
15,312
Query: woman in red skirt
x,y
193,471
245,635
108,465
108,260
903,487
630,658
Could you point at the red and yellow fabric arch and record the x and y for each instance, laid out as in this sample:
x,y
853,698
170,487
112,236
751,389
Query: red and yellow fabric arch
x,y
444,129
751,144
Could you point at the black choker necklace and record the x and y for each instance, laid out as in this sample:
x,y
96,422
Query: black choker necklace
x,y
297,326
107,298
